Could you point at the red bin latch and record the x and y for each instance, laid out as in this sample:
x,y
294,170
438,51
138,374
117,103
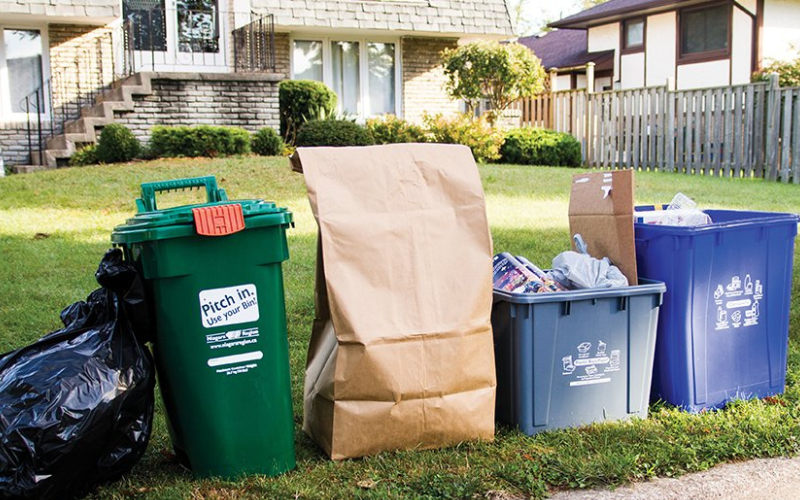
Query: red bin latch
x,y
219,220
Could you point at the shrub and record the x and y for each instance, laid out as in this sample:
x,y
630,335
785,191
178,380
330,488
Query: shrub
x,y
267,142
203,140
301,101
333,132
85,156
117,144
537,146
501,73
477,134
788,73
390,129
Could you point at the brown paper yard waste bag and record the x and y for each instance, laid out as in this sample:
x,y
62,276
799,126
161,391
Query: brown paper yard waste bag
x,y
601,211
401,352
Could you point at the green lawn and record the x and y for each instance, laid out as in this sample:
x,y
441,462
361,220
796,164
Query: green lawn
x,y
55,226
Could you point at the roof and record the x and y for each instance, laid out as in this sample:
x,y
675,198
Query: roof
x,y
425,17
609,9
566,49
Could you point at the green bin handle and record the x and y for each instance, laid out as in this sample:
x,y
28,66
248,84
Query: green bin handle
x,y
147,203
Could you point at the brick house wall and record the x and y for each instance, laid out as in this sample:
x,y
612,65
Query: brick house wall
x,y
81,64
424,79
249,101
14,143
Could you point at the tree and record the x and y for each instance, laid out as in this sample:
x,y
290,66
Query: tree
x,y
500,73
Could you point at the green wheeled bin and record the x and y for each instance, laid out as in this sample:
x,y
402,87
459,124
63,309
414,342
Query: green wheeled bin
x,y
214,280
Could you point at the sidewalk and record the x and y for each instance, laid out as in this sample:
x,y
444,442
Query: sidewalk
x,y
761,479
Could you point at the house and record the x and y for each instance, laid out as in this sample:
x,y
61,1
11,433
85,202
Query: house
x,y
686,43
69,67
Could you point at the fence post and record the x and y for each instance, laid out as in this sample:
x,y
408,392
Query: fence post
x,y
773,127
588,116
552,114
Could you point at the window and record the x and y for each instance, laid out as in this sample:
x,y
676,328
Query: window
x,y
362,72
633,35
346,76
704,33
21,57
307,60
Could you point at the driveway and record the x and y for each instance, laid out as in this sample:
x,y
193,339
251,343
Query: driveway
x,y
762,479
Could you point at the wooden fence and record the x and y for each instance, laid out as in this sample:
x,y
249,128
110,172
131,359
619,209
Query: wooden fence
x,y
750,130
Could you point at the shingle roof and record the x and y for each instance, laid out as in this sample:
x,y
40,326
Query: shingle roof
x,y
565,49
451,17
608,9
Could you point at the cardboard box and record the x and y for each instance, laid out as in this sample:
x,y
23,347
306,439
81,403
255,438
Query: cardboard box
x,y
601,211
401,353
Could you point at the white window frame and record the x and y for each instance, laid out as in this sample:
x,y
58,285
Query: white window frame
x,y
6,115
363,64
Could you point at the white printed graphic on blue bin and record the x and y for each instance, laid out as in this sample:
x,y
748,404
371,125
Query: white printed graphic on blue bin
x,y
738,302
228,306
588,367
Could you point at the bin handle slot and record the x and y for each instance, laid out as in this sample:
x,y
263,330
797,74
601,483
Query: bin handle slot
x,y
147,203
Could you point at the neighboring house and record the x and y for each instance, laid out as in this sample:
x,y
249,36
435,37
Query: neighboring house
x,y
68,67
566,50
688,43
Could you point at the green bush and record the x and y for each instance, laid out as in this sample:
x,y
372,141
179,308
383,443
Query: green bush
x,y
476,133
301,101
333,132
390,129
85,156
203,140
267,142
538,146
788,73
117,144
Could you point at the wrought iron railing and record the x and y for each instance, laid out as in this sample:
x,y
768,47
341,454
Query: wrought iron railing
x,y
73,85
198,40
254,45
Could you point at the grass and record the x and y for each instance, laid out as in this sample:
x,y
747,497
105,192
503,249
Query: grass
x,y
54,227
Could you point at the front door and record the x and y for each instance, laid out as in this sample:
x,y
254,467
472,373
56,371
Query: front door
x,y
176,35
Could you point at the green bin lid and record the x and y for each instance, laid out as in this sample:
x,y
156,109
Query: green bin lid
x,y
154,224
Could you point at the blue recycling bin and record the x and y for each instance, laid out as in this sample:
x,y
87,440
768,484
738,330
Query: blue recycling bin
x,y
723,331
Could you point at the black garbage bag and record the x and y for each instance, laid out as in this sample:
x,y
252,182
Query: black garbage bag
x,y
76,407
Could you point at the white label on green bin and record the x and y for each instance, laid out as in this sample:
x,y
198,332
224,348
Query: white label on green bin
x,y
738,302
590,364
228,306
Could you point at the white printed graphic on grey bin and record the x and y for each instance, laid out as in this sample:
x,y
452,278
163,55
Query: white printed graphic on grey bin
x,y
587,367
233,338
228,306
738,302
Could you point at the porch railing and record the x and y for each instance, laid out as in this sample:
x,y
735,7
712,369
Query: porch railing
x,y
254,45
183,39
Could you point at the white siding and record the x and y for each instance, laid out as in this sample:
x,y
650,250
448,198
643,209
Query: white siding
x,y
605,37
580,82
632,70
781,35
601,83
661,33
741,47
563,82
707,74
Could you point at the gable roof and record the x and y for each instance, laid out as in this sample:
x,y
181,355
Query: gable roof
x,y
566,49
609,9
484,18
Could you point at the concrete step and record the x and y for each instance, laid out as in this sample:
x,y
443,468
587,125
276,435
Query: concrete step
x,y
29,169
